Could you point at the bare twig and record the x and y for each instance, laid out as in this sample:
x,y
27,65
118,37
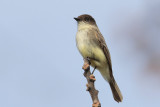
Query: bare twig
x,y
90,85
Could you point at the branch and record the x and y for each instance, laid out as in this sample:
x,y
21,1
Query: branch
x,y
90,85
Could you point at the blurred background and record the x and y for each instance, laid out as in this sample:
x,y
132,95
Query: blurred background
x,y
40,65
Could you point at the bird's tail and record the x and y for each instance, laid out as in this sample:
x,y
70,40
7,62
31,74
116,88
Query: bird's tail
x,y
115,90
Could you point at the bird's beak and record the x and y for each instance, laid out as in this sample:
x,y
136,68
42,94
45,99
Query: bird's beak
x,y
77,19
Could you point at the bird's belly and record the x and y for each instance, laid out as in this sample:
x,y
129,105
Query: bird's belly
x,y
94,52
88,46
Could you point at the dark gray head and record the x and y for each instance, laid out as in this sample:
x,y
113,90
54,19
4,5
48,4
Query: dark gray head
x,y
86,19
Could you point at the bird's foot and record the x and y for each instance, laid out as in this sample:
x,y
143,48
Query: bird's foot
x,y
86,64
92,78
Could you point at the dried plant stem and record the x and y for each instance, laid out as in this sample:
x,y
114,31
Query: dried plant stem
x,y
90,85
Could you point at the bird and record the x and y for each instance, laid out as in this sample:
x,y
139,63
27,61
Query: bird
x,y
91,44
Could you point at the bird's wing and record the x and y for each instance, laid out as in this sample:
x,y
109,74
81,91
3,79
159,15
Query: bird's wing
x,y
104,47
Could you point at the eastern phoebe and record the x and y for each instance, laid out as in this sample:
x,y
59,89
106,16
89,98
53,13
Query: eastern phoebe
x,y
91,44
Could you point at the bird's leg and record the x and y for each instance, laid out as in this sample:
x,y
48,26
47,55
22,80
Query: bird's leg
x,y
88,59
87,64
94,69
92,77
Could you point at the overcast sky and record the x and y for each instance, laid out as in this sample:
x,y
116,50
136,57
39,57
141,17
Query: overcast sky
x,y
40,65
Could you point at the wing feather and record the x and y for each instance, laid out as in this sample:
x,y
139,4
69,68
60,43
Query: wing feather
x,y
104,47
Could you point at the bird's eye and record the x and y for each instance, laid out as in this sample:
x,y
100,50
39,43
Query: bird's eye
x,y
86,19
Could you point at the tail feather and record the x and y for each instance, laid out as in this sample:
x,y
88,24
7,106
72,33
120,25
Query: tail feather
x,y
116,91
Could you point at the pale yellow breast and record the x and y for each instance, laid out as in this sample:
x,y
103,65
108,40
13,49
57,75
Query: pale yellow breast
x,y
88,49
